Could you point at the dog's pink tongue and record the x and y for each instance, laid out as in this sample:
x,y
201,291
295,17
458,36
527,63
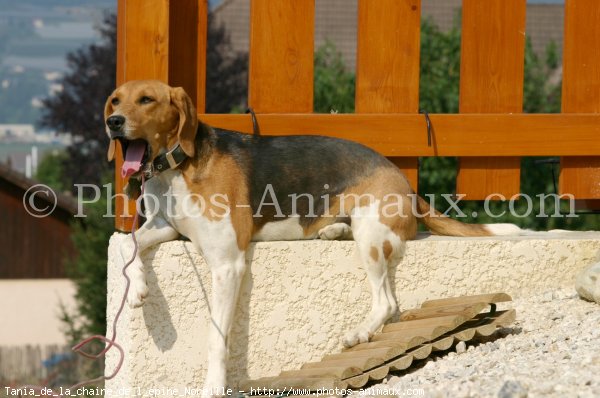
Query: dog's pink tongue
x,y
133,158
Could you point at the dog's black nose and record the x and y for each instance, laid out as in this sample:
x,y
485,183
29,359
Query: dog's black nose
x,y
115,122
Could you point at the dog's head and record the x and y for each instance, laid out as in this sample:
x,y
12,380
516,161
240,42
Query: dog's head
x,y
149,117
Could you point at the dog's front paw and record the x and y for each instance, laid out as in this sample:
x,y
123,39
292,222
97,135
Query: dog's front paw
x,y
357,336
138,291
214,386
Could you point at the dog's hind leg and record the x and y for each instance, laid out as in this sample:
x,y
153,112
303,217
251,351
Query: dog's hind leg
x,y
378,247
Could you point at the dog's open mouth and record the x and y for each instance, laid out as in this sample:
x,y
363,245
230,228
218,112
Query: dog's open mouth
x,y
135,154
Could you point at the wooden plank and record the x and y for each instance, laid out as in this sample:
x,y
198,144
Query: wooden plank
x,y
502,319
410,168
362,363
422,352
357,381
401,363
386,353
122,206
466,310
451,321
429,333
202,35
387,63
491,80
581,91
281,55
455,134
146,52
187,48
378,344
163,40
479,298
442,344
139,23
379,373
294,382
342,372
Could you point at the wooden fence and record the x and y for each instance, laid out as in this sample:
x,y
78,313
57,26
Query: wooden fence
x,y
45,365
24,364
166,40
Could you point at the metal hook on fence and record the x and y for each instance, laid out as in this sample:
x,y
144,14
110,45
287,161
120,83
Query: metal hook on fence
x,y
429,126
255,128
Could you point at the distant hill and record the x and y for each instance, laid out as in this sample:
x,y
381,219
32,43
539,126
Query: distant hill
x,y
35,37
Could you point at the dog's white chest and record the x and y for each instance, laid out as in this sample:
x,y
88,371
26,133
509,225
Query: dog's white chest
x,y
167,196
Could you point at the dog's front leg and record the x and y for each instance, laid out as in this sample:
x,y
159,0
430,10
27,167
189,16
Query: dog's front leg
x,y
155,230
226,280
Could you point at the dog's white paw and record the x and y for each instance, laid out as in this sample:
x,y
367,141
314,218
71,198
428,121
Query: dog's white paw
x,y
214,385
138,291
359,335
335,231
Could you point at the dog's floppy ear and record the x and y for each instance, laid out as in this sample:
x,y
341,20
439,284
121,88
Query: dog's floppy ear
x,y
188,120
108,110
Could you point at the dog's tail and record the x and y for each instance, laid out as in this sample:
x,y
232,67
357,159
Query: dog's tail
x,y
439,224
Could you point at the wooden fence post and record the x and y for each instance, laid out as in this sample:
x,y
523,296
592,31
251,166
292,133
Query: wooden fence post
x,y
580,176
163,40
281,56
387,64
491,81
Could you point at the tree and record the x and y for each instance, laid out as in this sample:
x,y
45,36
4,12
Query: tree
x,y
78,108
50,171
226,72
334,85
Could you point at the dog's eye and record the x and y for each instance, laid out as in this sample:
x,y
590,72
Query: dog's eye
x,y
146,100
114,101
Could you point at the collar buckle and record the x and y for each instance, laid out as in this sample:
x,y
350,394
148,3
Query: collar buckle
x,y
170,159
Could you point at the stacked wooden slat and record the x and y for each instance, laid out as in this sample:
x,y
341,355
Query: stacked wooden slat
x,y
436,326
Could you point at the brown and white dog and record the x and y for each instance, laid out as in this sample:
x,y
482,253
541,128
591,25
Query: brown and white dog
x,y
246,188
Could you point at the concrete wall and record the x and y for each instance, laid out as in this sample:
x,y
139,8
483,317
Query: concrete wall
x,y
298,298
30,310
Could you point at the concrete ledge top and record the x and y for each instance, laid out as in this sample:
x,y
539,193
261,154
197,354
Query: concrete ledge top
x,y
528,235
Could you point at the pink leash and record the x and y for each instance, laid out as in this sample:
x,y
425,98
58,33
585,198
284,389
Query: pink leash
x,y
112,342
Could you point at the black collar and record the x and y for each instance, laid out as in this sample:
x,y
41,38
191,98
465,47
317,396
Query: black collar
x,y
168,160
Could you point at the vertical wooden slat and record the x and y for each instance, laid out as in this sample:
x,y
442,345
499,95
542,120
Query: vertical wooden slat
x,y
491,81
281,56
187,48
202,37
580,176
387,64
159,39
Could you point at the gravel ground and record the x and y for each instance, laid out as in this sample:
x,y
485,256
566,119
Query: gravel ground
x,y
552,350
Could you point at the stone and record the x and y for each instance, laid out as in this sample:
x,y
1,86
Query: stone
x,y
512,389
588,283
461,347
